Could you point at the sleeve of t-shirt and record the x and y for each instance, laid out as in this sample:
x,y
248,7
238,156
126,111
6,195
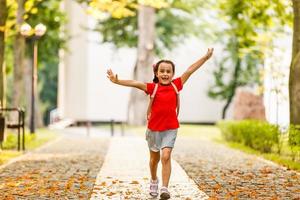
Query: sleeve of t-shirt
x,y
178,83
150,88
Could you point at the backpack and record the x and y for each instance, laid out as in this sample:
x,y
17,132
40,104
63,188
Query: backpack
x,y
153,95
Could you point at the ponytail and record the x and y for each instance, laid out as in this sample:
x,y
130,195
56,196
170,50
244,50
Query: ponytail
x,y
155,79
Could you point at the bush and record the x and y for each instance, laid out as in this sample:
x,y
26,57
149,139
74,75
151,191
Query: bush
x,y
11,141
294,139
230,131
294,135
258,135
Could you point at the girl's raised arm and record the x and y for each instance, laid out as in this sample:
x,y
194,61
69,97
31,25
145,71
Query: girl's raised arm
x,y
185,76
130,83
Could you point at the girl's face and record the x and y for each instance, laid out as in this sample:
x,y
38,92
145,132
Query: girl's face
x,y
165,73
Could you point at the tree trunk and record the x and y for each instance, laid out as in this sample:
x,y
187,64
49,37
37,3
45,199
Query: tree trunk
x,y
143,69
233,86
294,82
3,16
19,53
27,81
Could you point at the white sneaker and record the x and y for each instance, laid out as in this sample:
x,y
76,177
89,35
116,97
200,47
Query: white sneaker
x,y
153,188
164,193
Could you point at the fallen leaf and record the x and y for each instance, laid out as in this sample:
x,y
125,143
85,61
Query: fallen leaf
x,y
134,182
217,187
111,194
103,184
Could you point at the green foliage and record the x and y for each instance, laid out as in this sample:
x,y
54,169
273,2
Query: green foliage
x,y
173,24
248,30
48,13
122,32
258,135
31,140
121,9
11,141
294,135
128,8
294,139
275,157
172,29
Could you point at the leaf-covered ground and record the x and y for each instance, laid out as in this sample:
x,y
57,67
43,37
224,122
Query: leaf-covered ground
x,y
224,173
66,169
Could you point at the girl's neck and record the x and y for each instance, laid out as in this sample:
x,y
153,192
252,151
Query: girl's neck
x,y
164,84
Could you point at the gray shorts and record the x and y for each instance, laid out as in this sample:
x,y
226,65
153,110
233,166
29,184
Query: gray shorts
x,y
158,140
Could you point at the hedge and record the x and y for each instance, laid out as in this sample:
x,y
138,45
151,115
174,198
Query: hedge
x,y
258,135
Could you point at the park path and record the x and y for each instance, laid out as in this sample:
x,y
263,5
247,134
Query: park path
x,y
125,174
77,166
225,173
63,169
97,166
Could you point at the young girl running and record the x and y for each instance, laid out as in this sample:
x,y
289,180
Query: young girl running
x,y
162,115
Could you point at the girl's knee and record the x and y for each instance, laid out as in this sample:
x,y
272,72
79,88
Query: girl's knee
x,y
165,158
166,155
154,160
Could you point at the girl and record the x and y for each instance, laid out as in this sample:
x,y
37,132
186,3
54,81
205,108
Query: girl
x,y
162,117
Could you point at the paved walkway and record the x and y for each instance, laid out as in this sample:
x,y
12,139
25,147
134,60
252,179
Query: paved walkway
x,y
225,173
63,169
76,166
125,174
71,168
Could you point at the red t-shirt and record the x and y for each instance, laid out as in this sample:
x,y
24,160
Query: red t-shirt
x,y
163,111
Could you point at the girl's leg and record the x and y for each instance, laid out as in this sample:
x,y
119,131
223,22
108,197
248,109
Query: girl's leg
x,y
166,165
154,160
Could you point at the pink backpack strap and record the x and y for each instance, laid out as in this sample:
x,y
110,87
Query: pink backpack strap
x,y
151,101
178,97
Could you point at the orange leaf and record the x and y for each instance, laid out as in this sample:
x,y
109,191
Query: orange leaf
x,y
110,194
103,184
134,182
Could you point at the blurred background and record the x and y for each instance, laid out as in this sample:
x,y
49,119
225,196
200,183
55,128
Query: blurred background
x,y
59,76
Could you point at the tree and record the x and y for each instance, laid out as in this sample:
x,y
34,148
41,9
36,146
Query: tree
x,y
3,17
294,83
247,33
145,59
48,13
146,37
19,53
157,27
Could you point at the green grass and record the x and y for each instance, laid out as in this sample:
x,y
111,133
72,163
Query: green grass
x,y
41,137
279,159
6,155
33,141
281,155
196,131
213,133
200,131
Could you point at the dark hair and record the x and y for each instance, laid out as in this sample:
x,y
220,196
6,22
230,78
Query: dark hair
x,y
155,68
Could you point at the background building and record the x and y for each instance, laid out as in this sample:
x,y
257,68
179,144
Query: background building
x,y
85,93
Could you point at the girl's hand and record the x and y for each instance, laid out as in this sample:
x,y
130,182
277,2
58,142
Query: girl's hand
x,y
209,53
112,77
